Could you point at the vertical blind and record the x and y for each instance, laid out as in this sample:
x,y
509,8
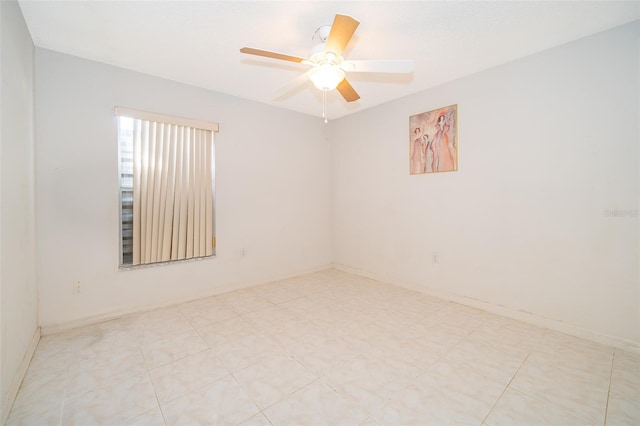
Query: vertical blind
x,y
171,196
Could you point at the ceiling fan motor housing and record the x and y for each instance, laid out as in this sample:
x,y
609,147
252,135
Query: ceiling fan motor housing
x,y
320,39
322,34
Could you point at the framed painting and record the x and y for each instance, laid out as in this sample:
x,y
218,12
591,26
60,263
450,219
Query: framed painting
x,y
433,141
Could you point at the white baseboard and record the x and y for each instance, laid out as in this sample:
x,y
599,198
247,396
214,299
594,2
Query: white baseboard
x,y
12,392
96,319
526,317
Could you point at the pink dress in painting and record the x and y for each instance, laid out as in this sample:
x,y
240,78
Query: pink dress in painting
x,y
417,156
444,155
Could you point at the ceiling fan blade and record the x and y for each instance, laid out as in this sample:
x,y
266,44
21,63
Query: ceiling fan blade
x,y
399,67
348,93
341,32
274,55
292,85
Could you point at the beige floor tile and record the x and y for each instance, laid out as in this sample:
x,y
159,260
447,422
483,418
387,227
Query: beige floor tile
x,y
209,315
439,338
270,317
497,362
367,383
113,403
273,379
507,332
571,352
420,404
162,323
250,303
226,331
464,384
173,348
152,417
49,361
460,316
405,358
248,350
516,408
198,304
257,420
55,343
179,377
625,376
37,416
86,374
321,356
569,389
622,411
315,404
39,391
220,403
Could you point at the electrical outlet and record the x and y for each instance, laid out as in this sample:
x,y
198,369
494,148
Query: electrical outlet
x,y
435,258
243,252
76,287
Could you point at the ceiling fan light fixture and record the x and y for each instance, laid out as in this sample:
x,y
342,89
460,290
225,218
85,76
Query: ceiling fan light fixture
x,y
327,64
326,76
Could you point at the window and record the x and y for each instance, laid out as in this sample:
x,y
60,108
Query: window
x,y
167,169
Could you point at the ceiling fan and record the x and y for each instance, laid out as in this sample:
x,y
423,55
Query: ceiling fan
x,y
328,67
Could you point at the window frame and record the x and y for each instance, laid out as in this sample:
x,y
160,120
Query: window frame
x,y
173,120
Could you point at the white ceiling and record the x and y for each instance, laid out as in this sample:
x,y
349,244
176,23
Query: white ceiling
x,y
198,42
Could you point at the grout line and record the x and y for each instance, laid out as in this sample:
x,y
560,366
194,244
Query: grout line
x,y
146,366
157,399
507,387
155,393
66,382
606,408
265,416
246,395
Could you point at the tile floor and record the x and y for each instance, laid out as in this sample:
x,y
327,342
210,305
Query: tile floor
x,y
327,348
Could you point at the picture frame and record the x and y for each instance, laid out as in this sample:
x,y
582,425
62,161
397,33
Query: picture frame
x,y
433,141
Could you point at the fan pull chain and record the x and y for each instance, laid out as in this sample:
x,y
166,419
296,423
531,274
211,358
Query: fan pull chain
x,y
324,106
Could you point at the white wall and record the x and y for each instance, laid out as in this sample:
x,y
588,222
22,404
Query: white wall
x,y
19,312
272,191
547,144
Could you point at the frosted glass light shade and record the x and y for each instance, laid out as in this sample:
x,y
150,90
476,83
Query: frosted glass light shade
x,y
326,77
